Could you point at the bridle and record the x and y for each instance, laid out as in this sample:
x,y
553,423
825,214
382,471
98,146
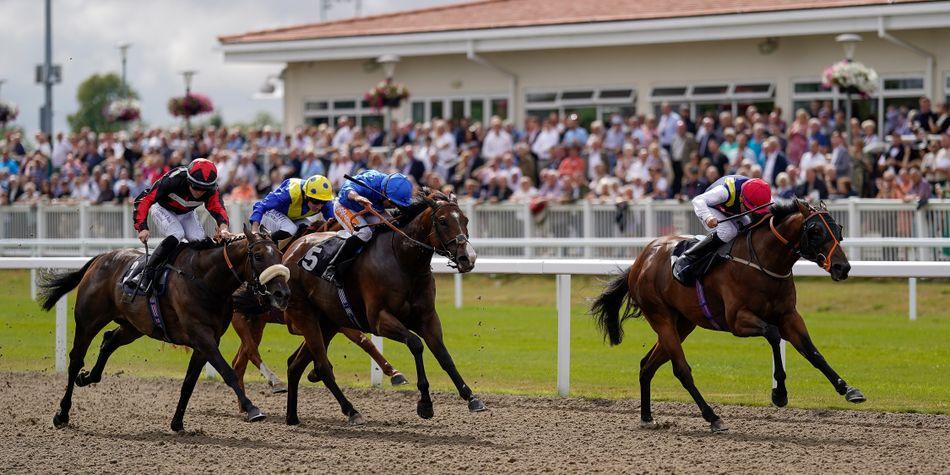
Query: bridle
x,y
443,249
807,248
259,279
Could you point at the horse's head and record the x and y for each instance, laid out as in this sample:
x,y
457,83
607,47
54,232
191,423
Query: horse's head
x,y
820,240
268,276
449,236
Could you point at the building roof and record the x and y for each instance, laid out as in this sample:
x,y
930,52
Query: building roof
x,y
496,14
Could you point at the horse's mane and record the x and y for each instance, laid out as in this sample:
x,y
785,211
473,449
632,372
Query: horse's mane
x,y
421,202
782,209
208,243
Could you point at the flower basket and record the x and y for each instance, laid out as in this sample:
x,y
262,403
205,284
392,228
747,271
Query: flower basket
x,y
851,77
190,105
123,110
8,112
386,94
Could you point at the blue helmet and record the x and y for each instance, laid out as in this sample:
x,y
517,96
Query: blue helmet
x,y
398,189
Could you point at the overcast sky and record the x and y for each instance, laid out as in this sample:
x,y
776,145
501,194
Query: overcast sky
x,y
168,36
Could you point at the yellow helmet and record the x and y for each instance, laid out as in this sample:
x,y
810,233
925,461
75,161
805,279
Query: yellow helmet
x,y
318,187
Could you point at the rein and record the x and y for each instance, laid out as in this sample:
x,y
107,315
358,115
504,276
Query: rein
x,y
795,248
442,252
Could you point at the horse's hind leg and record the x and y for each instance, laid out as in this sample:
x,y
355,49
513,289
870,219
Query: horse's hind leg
x,y
316,338
187,387
793,329
254,353
111,341
85,331
670,341
651,362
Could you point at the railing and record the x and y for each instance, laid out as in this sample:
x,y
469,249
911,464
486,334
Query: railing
x,y
562,268
904,233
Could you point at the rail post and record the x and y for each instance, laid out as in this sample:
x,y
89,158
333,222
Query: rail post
x,y
83,227
912,298
210,372
61,322
526,222
588,226
854,228
458,290
563,334
375,372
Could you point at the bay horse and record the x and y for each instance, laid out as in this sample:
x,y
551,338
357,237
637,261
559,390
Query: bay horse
x,y
751,295
196,308
392,293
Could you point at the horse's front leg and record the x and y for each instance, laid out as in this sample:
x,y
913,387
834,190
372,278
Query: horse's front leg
x,y
205,341
432,334
389,326
748,324
793,329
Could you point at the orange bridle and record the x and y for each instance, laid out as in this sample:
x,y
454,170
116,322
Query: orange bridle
x,y
826,261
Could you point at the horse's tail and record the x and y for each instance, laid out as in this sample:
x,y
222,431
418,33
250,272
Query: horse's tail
x,y
54,285
609,309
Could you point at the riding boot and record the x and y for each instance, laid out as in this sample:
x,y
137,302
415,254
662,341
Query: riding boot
x,y
346,252
164,249
682,269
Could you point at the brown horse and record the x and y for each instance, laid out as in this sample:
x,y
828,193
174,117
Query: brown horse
x,y
392,292
754,295
196,308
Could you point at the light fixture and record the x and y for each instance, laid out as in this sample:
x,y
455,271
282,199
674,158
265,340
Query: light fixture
x,y
389,63
848,41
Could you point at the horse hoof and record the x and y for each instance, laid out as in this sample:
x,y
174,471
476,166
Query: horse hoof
x,y
313,377
356,419
82,379
254,414
649,425
398,380
425,410
278,388
780,399
178,426
293,421
854,395
718,427
60,421
476,405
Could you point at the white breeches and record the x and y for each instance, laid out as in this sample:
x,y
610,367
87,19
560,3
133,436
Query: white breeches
x,y
185,227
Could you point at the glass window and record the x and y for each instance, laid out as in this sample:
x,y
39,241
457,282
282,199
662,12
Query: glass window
x,y
606,112
477,108
317,120
615,94
576,95
458,109
710,90
669,91
499,107
903,83
418,111
351,104
435,109
316,106
810,87
540,114
764,88
541,97
374,119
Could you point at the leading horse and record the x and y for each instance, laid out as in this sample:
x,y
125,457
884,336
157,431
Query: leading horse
x,y
196,309
751,295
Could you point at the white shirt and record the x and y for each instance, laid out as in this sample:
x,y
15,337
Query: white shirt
x,y
445,149
770,160
342,137
63,147
667,127
496,143
810,160
547,138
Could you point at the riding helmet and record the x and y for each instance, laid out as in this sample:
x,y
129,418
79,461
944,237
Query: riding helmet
x,y
202,174
755,193
318,188
398,189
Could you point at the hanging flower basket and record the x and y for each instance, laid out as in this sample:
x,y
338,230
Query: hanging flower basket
x,y
8,112
123,110
190,105
851,77
386,94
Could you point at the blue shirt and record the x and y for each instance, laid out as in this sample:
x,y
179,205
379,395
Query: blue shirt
x,y
575,137
288,200
374,193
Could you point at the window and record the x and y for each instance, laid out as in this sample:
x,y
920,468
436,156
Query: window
x,y
328,111
588,104
476,108
499,107
894,92
712,99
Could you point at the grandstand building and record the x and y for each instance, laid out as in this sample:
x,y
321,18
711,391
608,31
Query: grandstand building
x,y
516,58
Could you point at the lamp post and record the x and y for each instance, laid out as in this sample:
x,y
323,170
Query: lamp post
x,y
123,53
389,61
848,41
188,74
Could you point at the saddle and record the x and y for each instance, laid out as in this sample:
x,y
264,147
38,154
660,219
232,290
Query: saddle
x,y
129,286
704,265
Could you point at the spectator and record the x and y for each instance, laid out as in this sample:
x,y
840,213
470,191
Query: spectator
x,y
775,161
813,188
681,148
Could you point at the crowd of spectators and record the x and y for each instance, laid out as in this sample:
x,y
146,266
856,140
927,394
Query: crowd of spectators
x,y
818,155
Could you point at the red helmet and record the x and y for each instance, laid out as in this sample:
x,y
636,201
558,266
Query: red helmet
x,y
755,193
203,174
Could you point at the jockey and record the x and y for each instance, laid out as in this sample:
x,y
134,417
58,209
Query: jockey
x,y
728,196
171,203
291,205
376,190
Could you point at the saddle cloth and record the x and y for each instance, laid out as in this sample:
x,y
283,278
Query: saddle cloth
x,y
705,264
129,284
317,259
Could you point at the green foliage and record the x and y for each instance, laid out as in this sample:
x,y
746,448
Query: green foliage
x,y
504,340
93,95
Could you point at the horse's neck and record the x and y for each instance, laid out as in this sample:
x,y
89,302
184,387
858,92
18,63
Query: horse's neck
x,y
411,256
771,252
213,270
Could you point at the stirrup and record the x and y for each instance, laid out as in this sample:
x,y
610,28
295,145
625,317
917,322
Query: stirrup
x,y
329,275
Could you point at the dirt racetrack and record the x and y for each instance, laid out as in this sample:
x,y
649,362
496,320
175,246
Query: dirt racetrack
x,y
121,425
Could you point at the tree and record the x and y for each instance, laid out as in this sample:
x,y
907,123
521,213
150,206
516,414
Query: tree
x,y
93,95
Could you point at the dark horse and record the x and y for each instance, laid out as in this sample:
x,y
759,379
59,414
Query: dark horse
x,y
392,292
196,308
752,296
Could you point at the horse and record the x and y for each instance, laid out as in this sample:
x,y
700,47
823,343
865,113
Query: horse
x,y
752,295
392,294
251,316
196,310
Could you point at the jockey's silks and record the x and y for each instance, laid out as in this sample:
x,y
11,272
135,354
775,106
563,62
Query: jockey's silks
x,y
288,199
